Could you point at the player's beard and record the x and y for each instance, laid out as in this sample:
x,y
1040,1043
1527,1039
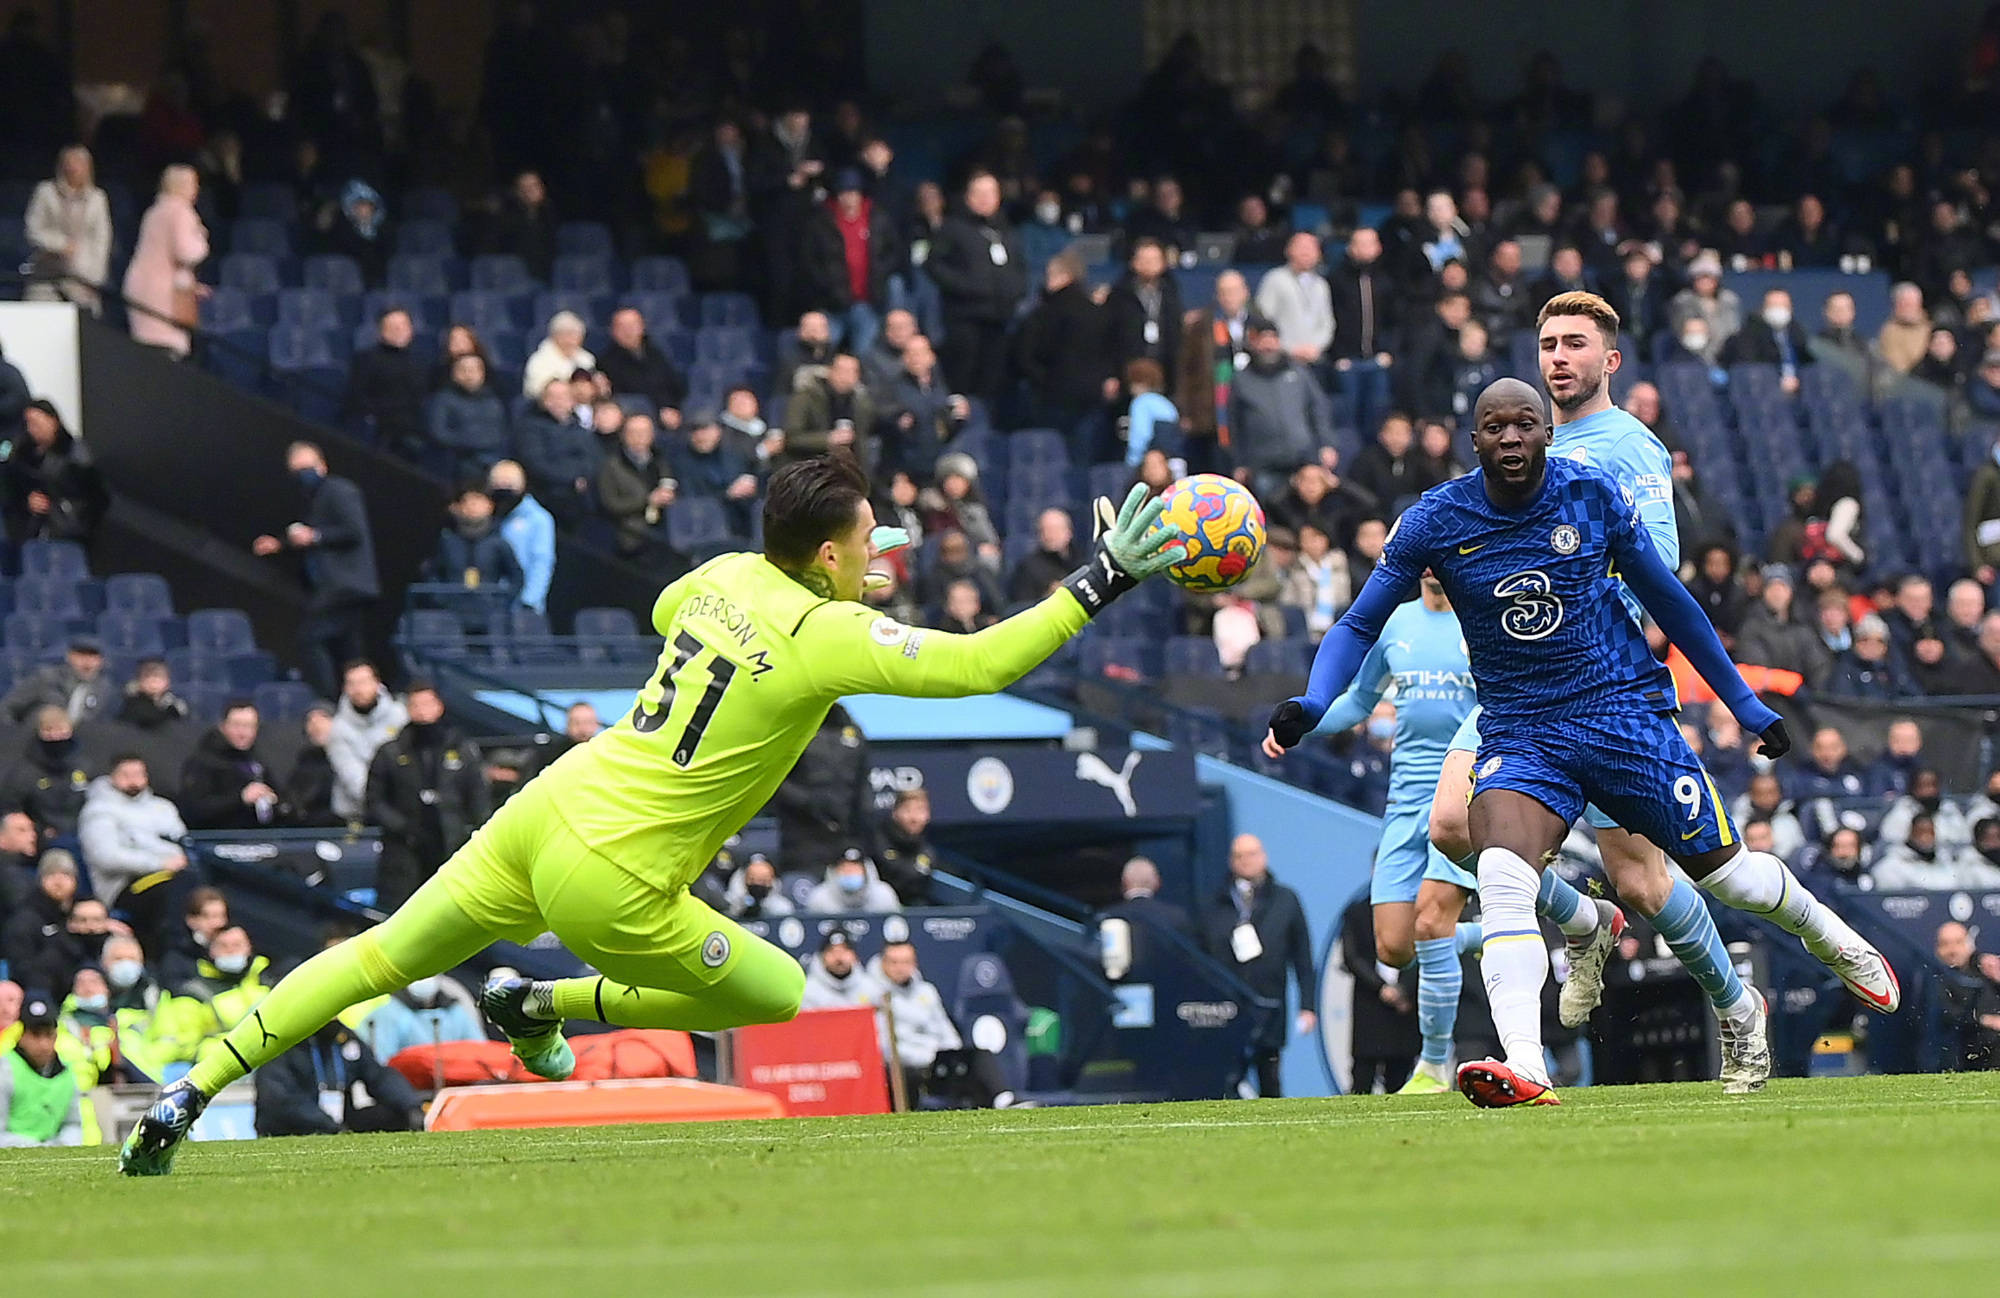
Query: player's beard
x,y
1581,395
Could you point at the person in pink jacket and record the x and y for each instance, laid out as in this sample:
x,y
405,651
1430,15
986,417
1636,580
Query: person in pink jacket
x,y
172,242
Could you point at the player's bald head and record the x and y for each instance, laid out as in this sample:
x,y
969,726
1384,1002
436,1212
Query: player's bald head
x,y
1505,394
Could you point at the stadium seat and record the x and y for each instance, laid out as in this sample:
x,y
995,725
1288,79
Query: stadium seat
x,y
589,305
992,1016
310,308
424,238
59,560
610,635
728,309
661,310
1117,656
220,632
526,638
279,701
583,275
501,274
333,273
186,667
295,348
142,594
430,203
260,237
585,239
206,699
428,275
38,634
725,347
131,634
1192,655
244,672
489,312
251,273
668,275
228,309
695,524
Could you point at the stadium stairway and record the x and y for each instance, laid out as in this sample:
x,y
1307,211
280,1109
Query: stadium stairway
x,y
197,470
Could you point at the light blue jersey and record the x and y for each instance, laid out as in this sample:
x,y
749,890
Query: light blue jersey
x,y
1423,653
1621,446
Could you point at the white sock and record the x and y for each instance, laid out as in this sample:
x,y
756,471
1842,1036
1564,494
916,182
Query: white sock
x,y
1760,883
1436,1072
1514,961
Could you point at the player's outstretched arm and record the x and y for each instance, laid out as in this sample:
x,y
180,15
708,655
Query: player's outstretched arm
x,y
1341,653
1688,627
854,650
1352,708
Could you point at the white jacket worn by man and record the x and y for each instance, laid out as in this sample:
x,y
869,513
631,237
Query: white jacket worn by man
x,y
846,890
351,746
922,1026
126,836
824,991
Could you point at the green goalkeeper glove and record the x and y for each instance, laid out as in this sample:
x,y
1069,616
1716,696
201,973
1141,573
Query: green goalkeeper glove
x,y
1131,546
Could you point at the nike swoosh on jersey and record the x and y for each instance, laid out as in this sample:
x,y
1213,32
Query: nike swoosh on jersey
x,y
1468,549
1690,834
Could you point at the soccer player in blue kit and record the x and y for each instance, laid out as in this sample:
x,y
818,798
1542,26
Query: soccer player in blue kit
x,y
1418,894
1576,708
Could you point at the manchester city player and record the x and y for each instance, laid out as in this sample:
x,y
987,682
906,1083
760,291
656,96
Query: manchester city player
x,y
1577,709
601,847
1418,894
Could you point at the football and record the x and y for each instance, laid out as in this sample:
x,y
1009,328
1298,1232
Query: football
x,y
1224,527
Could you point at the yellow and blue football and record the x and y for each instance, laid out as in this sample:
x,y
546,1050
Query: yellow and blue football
x,y
1224,528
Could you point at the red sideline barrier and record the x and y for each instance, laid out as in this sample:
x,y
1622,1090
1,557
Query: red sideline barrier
x,y
631,1052
596,1104
822,1062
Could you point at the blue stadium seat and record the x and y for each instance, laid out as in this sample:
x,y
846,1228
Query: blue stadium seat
x,y
220,632
1042,445
251,272
696,524
433,630
526,636
228,309
51,597
142,594
585,239
283,700
1277,658
186,667
739,309
501,274
62,560
984,994
430,203
583,275
246,671
262,237
610,635
425,238
333,273
668,275
300,347
592,307
131,634
206,699
661,310
309,308
37,633
429,276
725,346
1192,655
489,312
426,312
267,201
1130,655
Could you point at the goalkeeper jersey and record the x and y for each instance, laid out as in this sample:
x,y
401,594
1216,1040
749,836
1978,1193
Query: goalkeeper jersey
x,y
752,662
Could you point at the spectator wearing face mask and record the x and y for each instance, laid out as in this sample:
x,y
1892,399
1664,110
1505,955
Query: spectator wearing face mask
x,y
134,1005
88,1040
529,530
852,886
471,550
150,703
132,838
1925,798
1772,337
1843,858
430,1011
1716,309
427,792
50,780
752,892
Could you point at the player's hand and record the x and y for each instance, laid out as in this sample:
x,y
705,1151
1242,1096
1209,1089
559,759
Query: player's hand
x,y
1289,725
1272,748
1131,546
1777,741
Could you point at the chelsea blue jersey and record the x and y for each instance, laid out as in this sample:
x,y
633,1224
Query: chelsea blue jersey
x,y
1423,654
1536,591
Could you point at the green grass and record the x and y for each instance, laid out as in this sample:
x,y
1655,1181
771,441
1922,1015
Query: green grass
x,y
1855,1186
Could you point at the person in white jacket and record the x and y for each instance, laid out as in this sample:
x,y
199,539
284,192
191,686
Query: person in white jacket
x,y
131,836
69,223
368,717
560,355
852,885
932,1054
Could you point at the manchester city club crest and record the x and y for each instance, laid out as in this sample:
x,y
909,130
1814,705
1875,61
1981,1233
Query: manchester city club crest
x,y
1564,540
715,951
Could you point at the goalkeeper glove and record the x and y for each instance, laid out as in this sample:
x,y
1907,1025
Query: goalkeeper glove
x,y
886,540
1130,547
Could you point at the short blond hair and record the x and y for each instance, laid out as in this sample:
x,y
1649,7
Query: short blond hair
x,y
1588,305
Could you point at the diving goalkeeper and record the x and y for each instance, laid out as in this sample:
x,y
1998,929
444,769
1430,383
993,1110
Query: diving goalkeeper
x,y
600,848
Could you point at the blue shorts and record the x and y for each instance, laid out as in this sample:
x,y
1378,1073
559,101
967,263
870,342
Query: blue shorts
x,y
1405,858
1636,765
1466,740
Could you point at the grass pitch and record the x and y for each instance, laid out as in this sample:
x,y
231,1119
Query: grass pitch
x,y
1859,1186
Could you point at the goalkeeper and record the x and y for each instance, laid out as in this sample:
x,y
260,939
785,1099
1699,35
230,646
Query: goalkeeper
x,y
600,848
